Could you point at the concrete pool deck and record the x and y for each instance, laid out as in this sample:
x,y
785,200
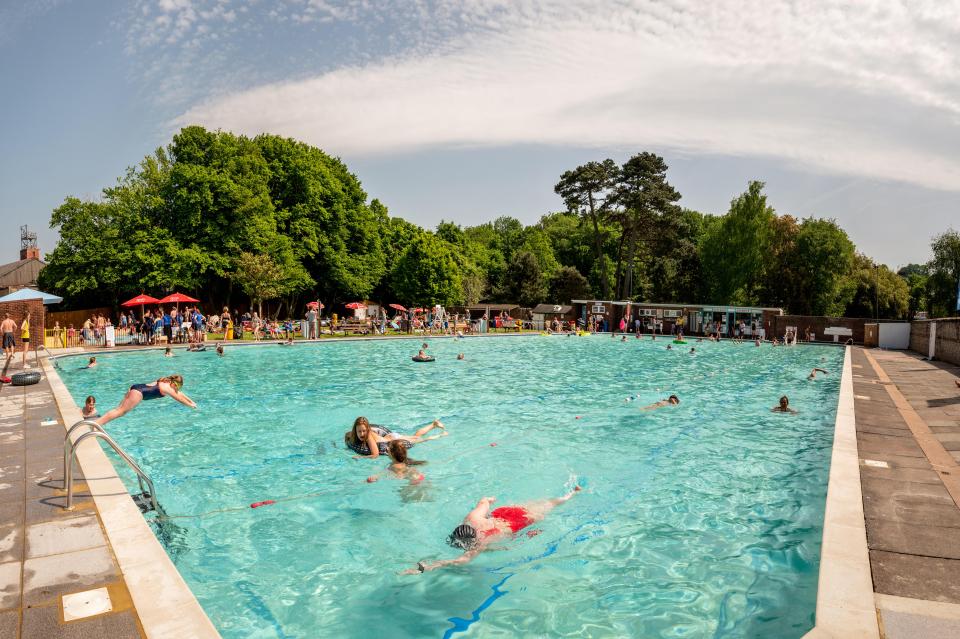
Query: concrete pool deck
x,y
890,564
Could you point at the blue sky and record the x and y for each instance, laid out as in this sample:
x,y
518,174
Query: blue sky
x,y
469,110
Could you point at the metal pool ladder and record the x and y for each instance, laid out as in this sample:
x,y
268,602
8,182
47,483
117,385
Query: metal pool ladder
x,y
146,500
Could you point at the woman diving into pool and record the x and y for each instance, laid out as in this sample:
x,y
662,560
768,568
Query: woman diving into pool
x,y
371,440
482,526
165,386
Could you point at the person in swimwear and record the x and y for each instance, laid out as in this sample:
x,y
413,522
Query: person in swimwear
x,y
168,352
370,442
460,356
90,408
401,464
783,407
481,527
813,373
673,400
422,356
163,387
92,362
219,349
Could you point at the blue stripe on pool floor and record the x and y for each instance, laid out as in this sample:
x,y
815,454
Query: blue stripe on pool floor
x,y
462,625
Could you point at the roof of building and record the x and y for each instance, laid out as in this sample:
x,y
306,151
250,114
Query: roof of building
x,y
492,307
20,273
552,308
679,305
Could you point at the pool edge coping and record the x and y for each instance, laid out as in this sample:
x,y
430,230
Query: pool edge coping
x,y
164,603
846,606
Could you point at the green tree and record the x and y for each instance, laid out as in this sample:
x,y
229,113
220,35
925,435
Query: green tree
x,y
261,278
524,281
944,279
822,259
891,300
733,250
567,285
643,199
427,273
584,190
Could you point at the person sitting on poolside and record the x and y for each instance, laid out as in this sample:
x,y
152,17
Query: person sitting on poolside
x,y
370,441
165,386
168,352
401,464
92,362
673,400
481,527
813,373
783,407
90,408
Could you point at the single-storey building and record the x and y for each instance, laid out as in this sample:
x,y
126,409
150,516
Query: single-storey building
x,y
545,313
693,318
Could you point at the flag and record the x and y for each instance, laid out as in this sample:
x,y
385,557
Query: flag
x,y
958,296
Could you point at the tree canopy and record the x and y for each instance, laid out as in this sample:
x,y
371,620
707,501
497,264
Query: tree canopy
x,y
267,218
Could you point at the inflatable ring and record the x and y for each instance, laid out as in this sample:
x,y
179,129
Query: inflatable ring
x,y
423,359
679,341
25,379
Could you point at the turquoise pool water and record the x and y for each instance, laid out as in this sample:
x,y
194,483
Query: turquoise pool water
x,y
700,520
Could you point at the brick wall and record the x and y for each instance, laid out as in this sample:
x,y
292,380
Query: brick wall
x,y
817,324
18,311
948,338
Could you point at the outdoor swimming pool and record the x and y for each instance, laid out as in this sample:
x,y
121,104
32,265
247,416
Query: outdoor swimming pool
x,y
699,520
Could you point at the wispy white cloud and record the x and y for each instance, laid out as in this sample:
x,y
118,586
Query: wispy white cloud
x,y
869,88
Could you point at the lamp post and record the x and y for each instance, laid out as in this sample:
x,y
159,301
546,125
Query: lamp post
x,y
876,268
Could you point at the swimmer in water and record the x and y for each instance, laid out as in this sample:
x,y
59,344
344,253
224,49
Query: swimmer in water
x,y
219,349
90,408
673,400
422,356
757,342
164,387
669,347
401,465
168,352
482,527
460,356
693,351
623,339
370,441
813,373
92,362
784,406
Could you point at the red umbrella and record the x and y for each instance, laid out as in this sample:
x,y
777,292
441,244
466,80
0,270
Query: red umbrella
x,y
316,304
355,305
140,300
397,307
419,310
176,298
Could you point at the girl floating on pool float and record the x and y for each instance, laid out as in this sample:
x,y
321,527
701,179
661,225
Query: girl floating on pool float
x,y
422,356
372,440
165,386
481,527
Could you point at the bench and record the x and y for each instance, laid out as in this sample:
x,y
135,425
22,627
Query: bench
x,y
837,332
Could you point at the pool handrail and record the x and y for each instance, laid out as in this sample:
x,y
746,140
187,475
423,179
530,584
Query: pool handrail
x,y
98,433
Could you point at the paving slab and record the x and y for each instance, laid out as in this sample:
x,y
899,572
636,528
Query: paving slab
x,y
11,542
46,577
930,578
44,623
10,585
68,535
9,624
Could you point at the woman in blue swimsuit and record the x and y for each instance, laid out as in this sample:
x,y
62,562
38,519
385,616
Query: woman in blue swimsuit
x,y
169,386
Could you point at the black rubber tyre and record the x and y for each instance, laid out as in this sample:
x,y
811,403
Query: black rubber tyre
x,y
25,379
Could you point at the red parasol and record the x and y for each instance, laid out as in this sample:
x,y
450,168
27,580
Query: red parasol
x,y
419,310
315,305
355,305
141,300
177,298
397,307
